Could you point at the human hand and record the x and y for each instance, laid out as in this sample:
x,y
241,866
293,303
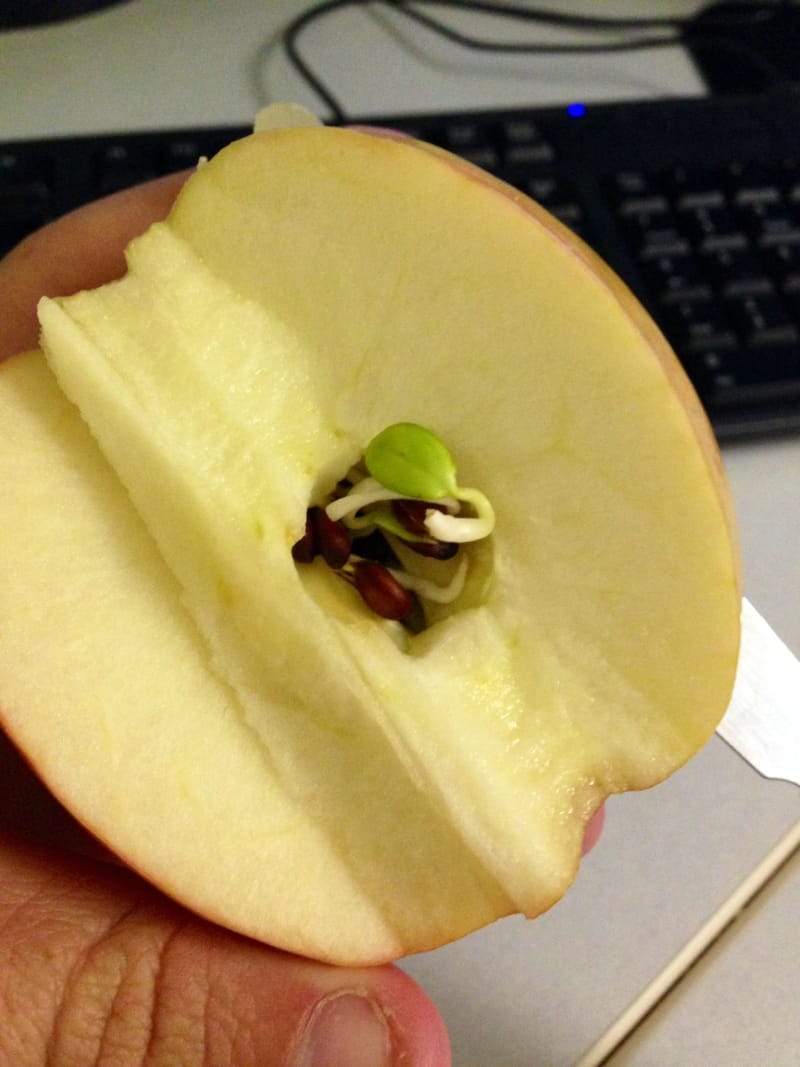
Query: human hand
x,y
96,966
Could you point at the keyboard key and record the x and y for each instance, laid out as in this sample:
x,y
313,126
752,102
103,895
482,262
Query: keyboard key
x,y
181,154
655,233
782,261
770,223
524,145
23,176
32,197
762,319
121,165
25,197
520,131
776,369
712,227
752,183
712,246
470,140
676,277
690,189
716,372
557,197
649,204
631,184
735,375
545,188
793,184
571,214
532,155
736,271
486,157
464,134
698,325
24,184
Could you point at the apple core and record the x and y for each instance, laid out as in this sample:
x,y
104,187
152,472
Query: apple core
x,y
403,493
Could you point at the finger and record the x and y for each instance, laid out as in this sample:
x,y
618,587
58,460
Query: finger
x,y
95,967
28,809
79,251
593,830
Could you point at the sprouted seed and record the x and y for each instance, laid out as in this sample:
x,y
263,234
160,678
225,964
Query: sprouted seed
x,y
405,490
382,591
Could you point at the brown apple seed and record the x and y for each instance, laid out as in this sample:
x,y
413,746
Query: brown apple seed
x,y
331,537
411,515
382,592
304,549
432,549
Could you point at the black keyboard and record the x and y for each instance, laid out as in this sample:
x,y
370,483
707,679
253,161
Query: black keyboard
x,y
694,202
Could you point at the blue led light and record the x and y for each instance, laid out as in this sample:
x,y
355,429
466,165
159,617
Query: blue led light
x,y
576,110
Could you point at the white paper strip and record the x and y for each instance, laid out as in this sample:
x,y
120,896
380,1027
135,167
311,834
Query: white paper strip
x,y
763,721
622,1028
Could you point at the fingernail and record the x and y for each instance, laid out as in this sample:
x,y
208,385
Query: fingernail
x,y
346,1030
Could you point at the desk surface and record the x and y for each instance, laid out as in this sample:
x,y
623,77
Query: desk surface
x,y
518,993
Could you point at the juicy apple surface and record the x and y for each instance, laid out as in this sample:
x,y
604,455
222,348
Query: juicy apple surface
x,y
241,729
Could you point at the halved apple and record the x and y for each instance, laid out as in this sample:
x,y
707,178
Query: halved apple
x,y
240,727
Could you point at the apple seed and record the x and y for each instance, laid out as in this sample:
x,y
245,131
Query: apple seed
x,y
382,592
304,549
440,550
411,514
410,493
331,538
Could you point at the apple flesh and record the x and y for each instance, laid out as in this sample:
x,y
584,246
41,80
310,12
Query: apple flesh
x,y
240,728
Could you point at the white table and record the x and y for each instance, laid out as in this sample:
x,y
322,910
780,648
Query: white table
x,y
517,994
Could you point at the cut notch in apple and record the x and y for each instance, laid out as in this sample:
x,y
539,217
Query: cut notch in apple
x,y
240,728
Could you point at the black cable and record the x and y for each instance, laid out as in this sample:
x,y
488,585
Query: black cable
x,y
676,27
547,16
294,29
482,44
290,36
727,20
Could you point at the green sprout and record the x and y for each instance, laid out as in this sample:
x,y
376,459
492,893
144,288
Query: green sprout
x,y
412,461
407,461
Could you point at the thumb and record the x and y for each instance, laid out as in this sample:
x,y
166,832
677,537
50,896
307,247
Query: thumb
x,y
97,967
